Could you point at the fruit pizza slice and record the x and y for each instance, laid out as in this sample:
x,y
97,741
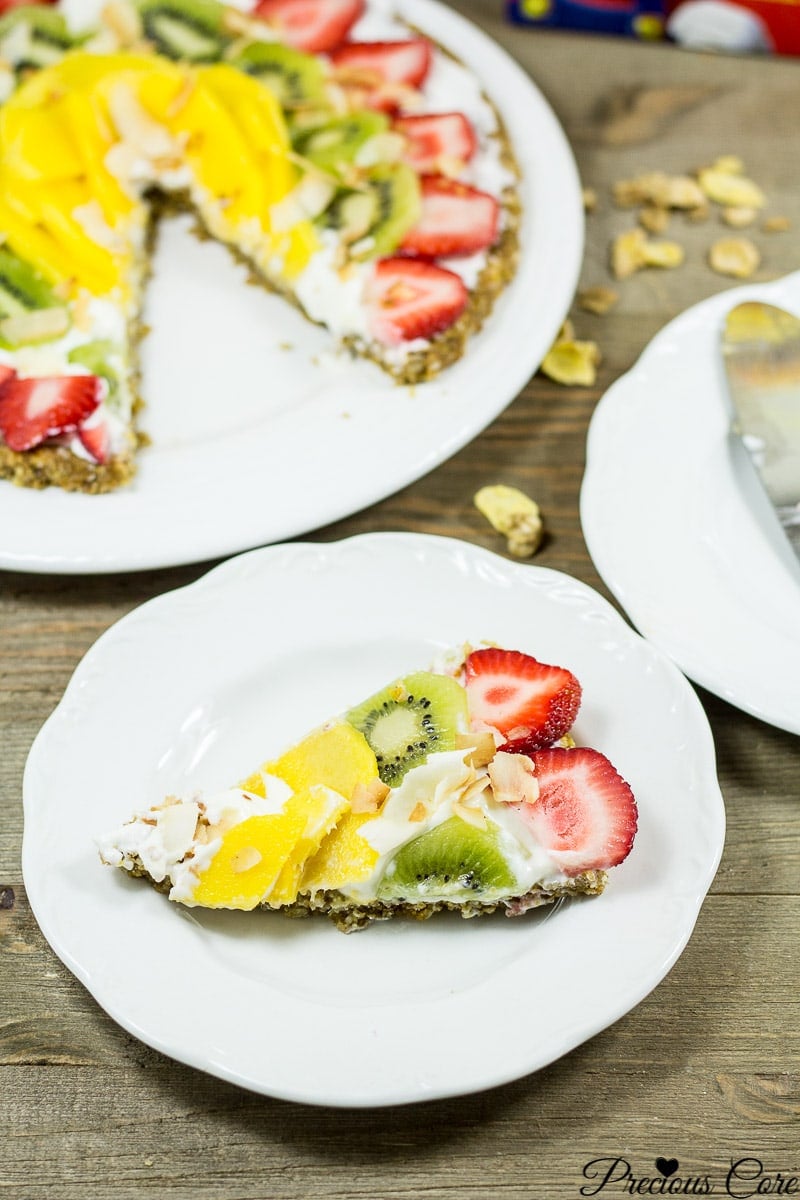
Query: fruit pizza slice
x,y
457,788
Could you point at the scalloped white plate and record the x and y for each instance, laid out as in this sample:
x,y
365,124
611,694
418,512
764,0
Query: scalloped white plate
x,y
254,442
678,525
197,687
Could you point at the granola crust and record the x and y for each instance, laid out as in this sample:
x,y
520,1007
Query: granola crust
x,y
350,916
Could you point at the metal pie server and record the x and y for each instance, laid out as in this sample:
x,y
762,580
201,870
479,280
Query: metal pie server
x,y
761,355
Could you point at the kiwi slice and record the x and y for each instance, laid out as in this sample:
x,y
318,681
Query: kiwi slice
x,y
396,192
34,36
297,80
189,30
410,719
22,288
339,141
95,357
452,861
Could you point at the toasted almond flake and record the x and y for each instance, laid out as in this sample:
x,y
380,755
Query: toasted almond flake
x,y
627,253
40,325
731,190
776,224
368,797
474,790
589,200
234,21
663,254
481,748
513,514
82,311
738,217
513,778
123,22
418,813
572,363
738,257
245,859
598,300
654,218
659,189
472,816
449,165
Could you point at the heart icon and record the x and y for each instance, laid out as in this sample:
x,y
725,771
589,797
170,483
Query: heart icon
x,y
667,1166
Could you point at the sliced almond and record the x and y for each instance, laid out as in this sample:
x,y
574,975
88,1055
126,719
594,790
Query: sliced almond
x,y
368,797
739,217
245,859
731,190
598,300
473,816
572,363
654,218
737,257
513,778
481,747
514,514
418,813
776,224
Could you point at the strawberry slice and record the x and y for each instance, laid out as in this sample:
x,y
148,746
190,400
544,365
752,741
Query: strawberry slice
x,y
6,374
409,298
585,815
532,703
315,26
456,220
34,409
95,436
405,62
437,139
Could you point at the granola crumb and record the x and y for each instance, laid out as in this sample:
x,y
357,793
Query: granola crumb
x,y
738,257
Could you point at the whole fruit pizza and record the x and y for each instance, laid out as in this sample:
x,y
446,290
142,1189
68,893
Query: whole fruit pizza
x,y
457,788
356,167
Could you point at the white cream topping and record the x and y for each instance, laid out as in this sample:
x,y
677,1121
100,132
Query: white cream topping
x,y
165,840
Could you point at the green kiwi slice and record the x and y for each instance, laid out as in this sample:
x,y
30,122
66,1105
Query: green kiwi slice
x,y
396,193
339,141
453,861
95,357
47,37
410,719
296,79
24,290
189,30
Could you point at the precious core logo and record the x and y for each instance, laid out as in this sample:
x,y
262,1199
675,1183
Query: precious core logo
x,y
747,1177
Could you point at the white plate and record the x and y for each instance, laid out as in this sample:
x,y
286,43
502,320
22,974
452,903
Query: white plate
x,y
677,523
255,443
200,685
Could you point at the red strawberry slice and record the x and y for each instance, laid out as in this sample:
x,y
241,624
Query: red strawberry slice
x,y
409,298
32,410
315,26
532,703
437,138
390,62
6,374
456,220
585,816
95,436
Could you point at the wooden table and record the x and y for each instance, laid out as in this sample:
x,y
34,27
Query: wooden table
x,y
706,1070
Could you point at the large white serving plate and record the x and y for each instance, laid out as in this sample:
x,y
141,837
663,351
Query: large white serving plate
x,y
199,686
258,433
678,524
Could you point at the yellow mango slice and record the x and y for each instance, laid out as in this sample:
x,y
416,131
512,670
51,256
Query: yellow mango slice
x,y
323,807
343,857
93,138
37,145
247,864
262,858
337,756
35,245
